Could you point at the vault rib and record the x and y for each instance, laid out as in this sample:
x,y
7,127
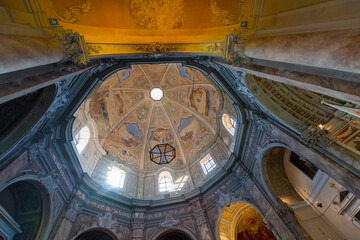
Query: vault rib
x,y
142,163
165,73
190,85
197,115
147,77
122,119
178,141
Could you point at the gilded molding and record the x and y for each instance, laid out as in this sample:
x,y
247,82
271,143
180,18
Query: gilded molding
x,y
69,15
155,47
229,18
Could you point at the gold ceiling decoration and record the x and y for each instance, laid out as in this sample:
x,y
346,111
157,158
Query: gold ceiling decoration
x,y
229,19
156,47
69,15
157,14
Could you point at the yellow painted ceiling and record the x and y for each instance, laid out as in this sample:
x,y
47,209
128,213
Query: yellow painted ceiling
x,y
145,21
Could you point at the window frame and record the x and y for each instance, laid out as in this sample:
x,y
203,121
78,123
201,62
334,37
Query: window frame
x,y
81,139
122,174
205,162
166,186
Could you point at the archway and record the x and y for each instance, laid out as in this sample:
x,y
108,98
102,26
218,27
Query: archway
x,y
95,234
174,235
25,202
310,193
241,221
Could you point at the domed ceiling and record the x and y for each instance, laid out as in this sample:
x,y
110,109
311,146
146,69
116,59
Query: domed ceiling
x,y
129,123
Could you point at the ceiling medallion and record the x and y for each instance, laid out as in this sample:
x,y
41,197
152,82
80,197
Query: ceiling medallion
x,y
156,94
162,154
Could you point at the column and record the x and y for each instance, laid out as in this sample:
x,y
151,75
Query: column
x,y
337,50
22,52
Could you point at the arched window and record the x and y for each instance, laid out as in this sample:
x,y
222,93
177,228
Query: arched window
x,y
208,164
81,139
229,123
165,182
116,177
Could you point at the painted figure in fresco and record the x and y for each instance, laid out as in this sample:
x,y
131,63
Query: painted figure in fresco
x,y
119,104
160,135
99,108
141,82
260,234
188,129
143,111
200,100
130,135
171,80
124,75
184,71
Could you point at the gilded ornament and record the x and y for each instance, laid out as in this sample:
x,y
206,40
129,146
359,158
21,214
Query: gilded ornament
x,y
157,14
93,49
69,15
155,47
229,19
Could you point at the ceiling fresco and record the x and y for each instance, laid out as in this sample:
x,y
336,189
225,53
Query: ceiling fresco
x,y
241,221
129,123
143,26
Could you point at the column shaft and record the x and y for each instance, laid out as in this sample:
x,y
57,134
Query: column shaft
x,y
338,50
22,52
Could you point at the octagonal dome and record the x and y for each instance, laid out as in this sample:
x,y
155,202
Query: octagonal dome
x,y
126,122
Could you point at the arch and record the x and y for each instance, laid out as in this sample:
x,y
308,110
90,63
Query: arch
x,y
96,234
158,236
240,219
165,181
275,176
21,117
291,179
31,206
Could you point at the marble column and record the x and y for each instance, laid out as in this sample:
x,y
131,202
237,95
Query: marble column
x,y
337,50
22,52
337,88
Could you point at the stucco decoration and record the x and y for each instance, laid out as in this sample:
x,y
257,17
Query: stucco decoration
x,y
68,14
103,221
240,220
157,15
169,222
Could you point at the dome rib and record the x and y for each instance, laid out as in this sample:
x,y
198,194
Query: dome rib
x,y
176,135
165,73
195,114
189,85
116,126
143,150
147,77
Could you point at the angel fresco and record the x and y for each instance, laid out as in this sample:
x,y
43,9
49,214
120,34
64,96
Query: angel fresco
x,y
119,104
200,100
130,134
188,129
160,135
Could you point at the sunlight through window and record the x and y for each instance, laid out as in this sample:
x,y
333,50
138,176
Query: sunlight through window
x,y
116,177
179,183
208,164
165,182
81,139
